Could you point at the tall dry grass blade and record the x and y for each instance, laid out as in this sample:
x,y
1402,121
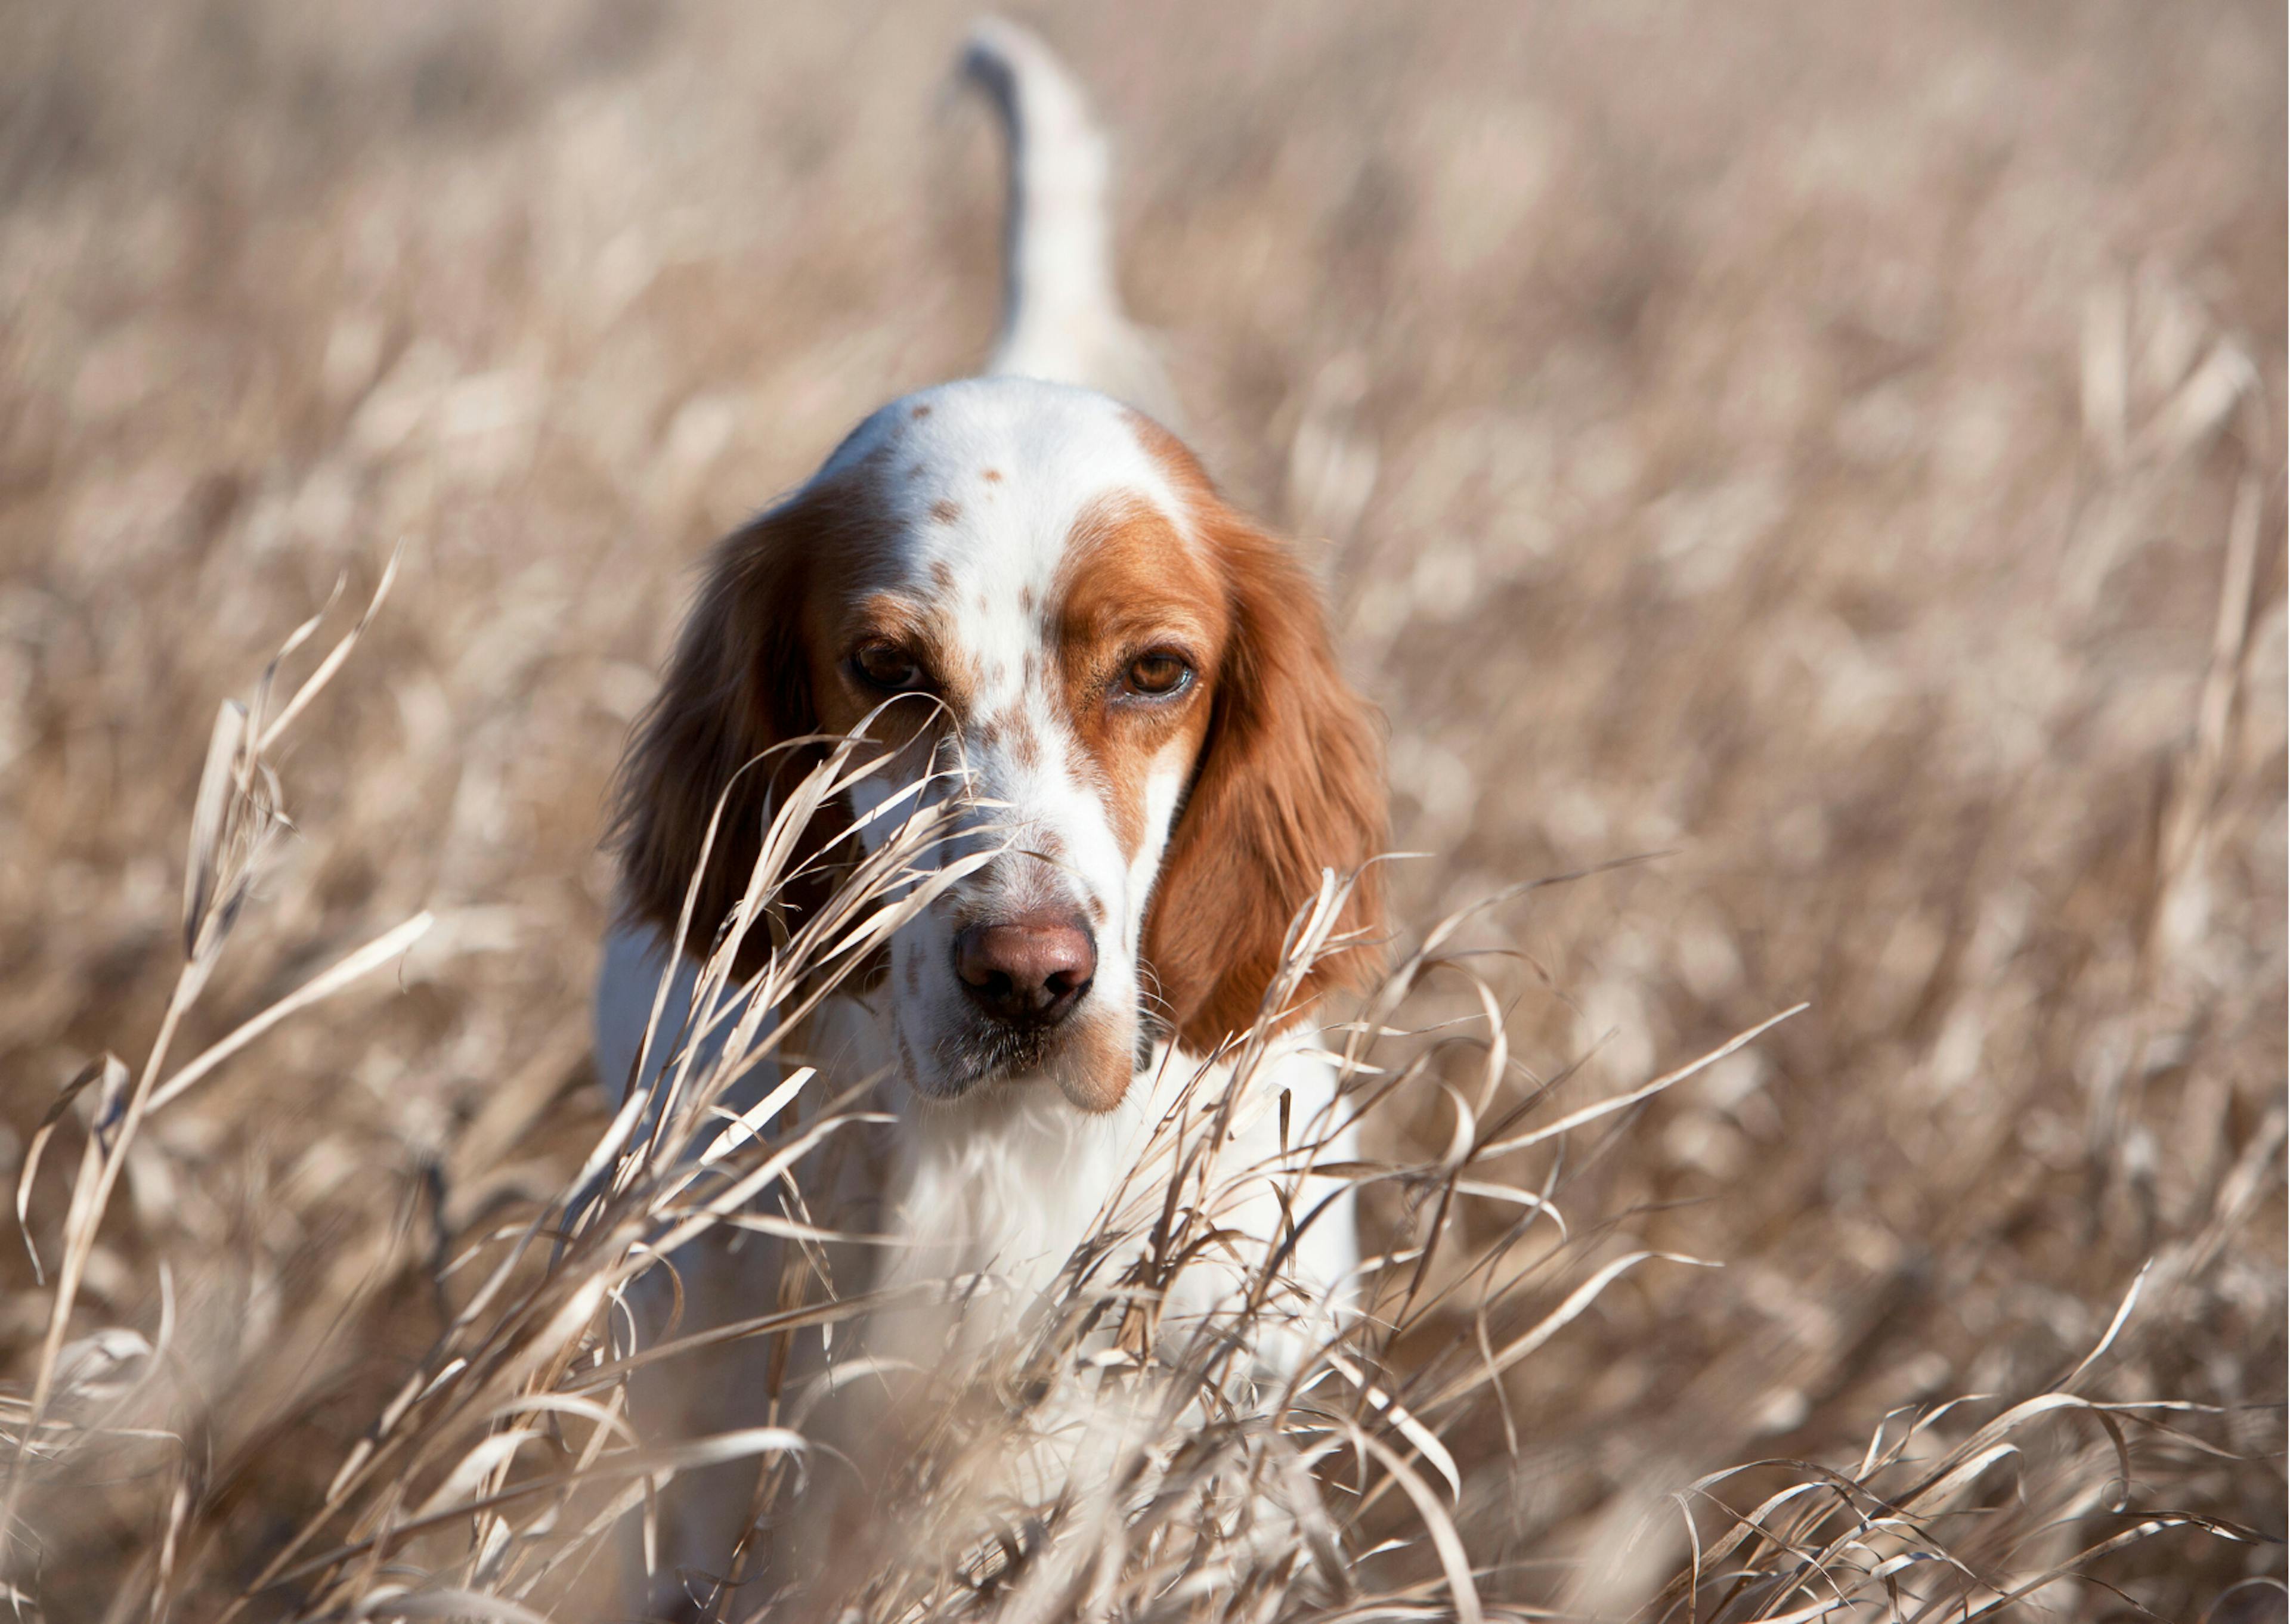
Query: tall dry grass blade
x,y
1671,1079
315,683
389,945
651,1461
203,867
107,1075
1558,1319
449,1604
2123,1311
1462,1590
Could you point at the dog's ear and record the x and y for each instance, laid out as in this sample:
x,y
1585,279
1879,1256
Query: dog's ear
x,y
738,689
1290,781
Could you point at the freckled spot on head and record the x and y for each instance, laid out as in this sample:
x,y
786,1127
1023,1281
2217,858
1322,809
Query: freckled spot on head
x,y
945,512
1025,748
1025,600
920,412
992,476
943,575
916,471
1097,910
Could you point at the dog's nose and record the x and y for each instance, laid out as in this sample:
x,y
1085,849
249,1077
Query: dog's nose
x,y
1029,971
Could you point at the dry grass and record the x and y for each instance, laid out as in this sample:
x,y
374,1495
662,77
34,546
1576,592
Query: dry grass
x,y
1836,456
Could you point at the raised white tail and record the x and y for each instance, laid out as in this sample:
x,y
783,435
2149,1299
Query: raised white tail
x,y
1061,315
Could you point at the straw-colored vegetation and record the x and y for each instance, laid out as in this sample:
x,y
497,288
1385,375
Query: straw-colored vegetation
x,y
1811,476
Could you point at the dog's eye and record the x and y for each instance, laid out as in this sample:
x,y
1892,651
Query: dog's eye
x,y
888,666
1157,676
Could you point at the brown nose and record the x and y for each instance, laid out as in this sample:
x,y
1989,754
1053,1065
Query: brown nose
x,y
1030,971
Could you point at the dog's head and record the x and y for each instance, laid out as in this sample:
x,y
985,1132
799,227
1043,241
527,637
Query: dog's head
x,y
1129,686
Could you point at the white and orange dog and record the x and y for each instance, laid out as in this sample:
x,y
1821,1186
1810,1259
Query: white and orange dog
x,y
1137,686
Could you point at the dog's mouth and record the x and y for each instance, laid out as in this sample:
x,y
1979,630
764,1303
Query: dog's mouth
x,y
1087,1061
984,1054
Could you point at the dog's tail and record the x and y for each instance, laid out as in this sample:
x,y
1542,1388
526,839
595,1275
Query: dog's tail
x,y
1061,315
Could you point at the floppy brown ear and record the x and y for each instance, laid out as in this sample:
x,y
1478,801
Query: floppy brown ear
x,y
1290,781
736,689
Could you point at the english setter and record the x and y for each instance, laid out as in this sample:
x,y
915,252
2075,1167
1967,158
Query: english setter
x,y
1025,572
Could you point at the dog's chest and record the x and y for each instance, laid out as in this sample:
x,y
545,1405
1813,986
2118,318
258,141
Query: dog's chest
x,y
1005,1183
1009,1184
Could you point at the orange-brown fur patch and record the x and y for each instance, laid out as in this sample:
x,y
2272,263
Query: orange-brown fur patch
x,y
1100,1071
1129,584
761,663
1290,781
946,512
836,625
741,690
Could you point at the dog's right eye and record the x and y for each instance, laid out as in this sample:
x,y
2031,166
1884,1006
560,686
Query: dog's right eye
x,y
888,666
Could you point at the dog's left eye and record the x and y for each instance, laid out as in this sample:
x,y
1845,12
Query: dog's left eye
x,y
1157,676
887,667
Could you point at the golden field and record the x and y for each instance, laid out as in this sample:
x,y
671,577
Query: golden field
x,y
1815,475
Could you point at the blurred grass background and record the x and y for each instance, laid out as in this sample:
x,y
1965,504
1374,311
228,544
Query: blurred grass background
x,y
1838,451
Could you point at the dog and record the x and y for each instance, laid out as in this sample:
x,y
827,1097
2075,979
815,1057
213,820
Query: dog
x,y
1119,696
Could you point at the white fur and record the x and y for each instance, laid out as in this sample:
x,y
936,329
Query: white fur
x,y
1061,318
